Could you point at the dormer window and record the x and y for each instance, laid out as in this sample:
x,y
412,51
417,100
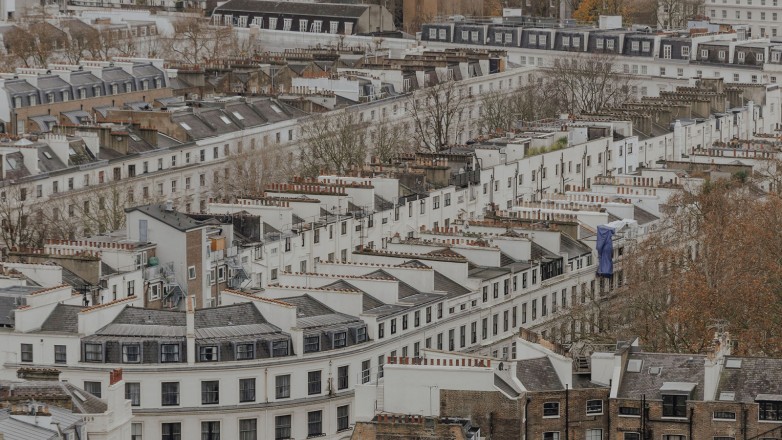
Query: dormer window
x,y
207,353
114,89
17,102
131,353
674,405
279,348
93,352
311,344
245,351
169,353
769,407
33,100
340,339
82,93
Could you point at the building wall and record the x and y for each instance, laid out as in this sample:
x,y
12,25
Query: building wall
x,y
497,415
22,115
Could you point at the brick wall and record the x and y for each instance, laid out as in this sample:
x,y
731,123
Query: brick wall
x,y
499,417
574,406
194,243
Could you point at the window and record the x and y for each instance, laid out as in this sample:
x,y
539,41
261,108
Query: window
x,y
311,344
724,415
59,354
632,436
136,431
210,430
770,411
169,353
92,353
340,339
365,366
133,393
594,434
313,382
245,351
279,348
551,435
381,330
342,377
629,411
343,418
92,388
169,394
282,427
171,431
131,353
667,51
191,273
674,405
248,429
314,423
282,386
551,409
594,407
210,392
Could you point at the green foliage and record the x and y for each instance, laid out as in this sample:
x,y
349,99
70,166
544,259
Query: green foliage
x,y
560,144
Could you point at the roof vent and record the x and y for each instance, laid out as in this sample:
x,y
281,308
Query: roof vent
x,y
655,370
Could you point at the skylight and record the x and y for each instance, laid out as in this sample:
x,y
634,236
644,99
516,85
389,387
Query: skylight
x,y
225,119
47,155
733,363
185,126
634,365
276,108
238,116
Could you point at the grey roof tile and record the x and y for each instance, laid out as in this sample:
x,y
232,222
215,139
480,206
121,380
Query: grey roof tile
x,y
64,318
294,8
674,368
755,376
538,374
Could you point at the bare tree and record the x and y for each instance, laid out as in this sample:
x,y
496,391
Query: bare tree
x,y
500,109
389,140
251,170
195,40
588,83
333,143
437,114
20,222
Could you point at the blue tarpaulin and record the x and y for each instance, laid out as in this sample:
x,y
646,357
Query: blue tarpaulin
x,y
605,251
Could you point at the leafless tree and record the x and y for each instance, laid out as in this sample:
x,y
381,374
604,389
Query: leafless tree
x,y
194,40
500,109
333,143
437,114
251,170
588,83
20,221
389,140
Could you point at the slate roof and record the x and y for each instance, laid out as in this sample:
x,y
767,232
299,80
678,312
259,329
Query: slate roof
x,y
675,368
64,318
294,8
444,284
572,247
83,402
538,374
236,314
642,216
139,316
505,387
541,253
175,219
314,314
14,429
755,376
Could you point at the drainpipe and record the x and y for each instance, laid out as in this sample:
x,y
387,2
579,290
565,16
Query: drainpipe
x,y
690,421
744,421
526,420
643,417
567,412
